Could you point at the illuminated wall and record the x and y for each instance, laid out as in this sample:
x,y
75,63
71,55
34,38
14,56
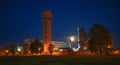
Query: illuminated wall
x,y
47,33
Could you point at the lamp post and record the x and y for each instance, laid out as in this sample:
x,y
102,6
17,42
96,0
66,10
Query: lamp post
x,y
7,52
72,39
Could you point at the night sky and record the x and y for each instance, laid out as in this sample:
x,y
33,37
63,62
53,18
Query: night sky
x,y
21,19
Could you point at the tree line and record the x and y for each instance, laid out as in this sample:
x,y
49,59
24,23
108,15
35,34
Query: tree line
x,y
99,40
35,47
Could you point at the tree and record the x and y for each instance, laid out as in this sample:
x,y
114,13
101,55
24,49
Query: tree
x,y
26,48
99,38
13,49
83,39
36,46
7,48
51,48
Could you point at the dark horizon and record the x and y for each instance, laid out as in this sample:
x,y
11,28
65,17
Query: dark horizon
x,y
21,19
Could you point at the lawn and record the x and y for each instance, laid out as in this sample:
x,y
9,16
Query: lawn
x,y
61,60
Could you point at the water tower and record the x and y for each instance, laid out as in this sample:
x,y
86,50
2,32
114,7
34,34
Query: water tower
x,y
47,29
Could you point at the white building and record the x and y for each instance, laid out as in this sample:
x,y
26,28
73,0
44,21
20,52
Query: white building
x,y
58,45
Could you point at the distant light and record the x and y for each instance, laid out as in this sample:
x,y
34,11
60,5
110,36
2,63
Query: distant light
x,y
55,49
39,49
72,38
78,46
75,49
84,48
6,51
108,46
60,50
18,49
116,52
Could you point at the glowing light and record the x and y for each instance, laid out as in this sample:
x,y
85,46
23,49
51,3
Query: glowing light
x,y
55,49
18,49
39,49
72,38
6,51
108,46
56,53
60,50
116,52
85,48
75,49
46,51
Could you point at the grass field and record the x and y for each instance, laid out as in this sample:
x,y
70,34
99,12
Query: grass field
x,y
60,60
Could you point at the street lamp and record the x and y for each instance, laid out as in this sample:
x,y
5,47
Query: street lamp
x,y
72,38
84,48
18,49
108,46
6,51
39,49
73,42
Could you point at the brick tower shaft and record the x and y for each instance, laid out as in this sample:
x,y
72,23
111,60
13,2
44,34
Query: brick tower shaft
x,y
47,30
47,39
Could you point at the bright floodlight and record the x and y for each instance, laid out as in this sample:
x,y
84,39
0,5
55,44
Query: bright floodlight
x,y
60,50
72,38
18,49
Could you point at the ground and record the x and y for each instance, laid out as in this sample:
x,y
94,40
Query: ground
x,y
61,60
